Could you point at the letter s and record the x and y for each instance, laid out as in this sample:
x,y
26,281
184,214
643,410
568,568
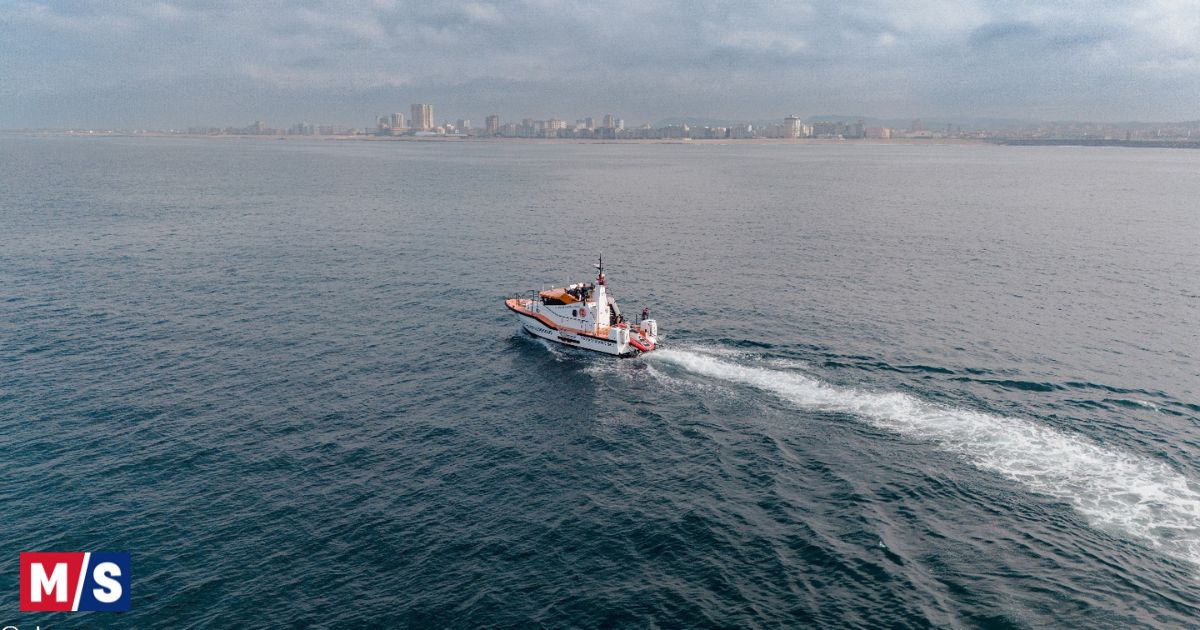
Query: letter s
x,y
110,589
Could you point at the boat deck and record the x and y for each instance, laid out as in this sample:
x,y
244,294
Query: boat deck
x,y
521,305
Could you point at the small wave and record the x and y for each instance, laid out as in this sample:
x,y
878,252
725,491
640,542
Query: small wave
x,y
1133,402
1112,489
905,369
931,369
748,343
1028,386
1113,390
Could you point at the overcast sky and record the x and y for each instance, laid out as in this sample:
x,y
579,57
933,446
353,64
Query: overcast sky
x,y
219,62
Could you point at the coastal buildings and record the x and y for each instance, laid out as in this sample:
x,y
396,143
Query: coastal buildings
x,y
838,129
610,127
422,117
742,132
607,127
793,127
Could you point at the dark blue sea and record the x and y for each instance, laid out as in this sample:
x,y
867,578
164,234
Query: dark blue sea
x,y
901,386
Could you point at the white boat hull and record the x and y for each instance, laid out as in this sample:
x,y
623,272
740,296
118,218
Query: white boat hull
x,y
574,340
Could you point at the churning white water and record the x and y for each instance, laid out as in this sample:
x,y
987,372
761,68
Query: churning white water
x,y
1111,488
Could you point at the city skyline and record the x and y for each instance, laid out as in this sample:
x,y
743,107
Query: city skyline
x,y
612,127
171,64
423,121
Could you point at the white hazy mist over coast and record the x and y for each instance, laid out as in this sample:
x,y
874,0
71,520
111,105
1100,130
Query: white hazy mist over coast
x,y
162,64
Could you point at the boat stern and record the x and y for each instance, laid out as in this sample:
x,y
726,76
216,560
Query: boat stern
x,y
633,341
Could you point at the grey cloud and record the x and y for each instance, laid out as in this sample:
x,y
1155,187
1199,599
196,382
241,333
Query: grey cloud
x,y
1019,37
645,59
1003,33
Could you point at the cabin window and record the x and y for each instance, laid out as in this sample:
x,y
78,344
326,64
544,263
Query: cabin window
x,y
574,312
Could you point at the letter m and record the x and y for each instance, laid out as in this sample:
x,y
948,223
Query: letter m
x,y
54,584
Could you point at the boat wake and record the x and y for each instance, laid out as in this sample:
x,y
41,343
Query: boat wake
x,y
1114,490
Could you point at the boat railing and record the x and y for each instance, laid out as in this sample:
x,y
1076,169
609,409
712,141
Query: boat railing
x,y
530,294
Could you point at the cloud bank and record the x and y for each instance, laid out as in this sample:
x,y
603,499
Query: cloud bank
x,y
183,62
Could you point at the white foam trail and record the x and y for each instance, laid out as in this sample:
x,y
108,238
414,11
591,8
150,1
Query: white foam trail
x,y
789,364
1112,489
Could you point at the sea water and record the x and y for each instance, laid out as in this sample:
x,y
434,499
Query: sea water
x,y
900,385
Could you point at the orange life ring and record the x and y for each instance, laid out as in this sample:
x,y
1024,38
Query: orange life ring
x,y
583,312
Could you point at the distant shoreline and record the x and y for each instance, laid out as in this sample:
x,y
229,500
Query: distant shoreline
x,y
370,138
1148,144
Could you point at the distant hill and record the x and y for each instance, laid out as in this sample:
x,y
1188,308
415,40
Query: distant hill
x,y
870,121
932,123
692,121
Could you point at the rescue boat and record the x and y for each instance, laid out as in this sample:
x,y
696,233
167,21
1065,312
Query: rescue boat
x,y
585,315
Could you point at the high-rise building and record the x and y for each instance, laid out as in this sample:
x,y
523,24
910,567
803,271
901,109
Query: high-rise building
x,y
422,116
826,129
335,130
742,132
610,121
793,127
675,131
396,121
493,124
463,125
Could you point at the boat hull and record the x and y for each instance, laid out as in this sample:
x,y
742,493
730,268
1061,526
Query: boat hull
x,y
574,340
618,341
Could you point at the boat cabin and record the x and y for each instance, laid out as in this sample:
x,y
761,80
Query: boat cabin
x,y
567,296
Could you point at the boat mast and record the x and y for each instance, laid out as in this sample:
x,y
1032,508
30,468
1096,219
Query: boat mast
x,y
600,311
